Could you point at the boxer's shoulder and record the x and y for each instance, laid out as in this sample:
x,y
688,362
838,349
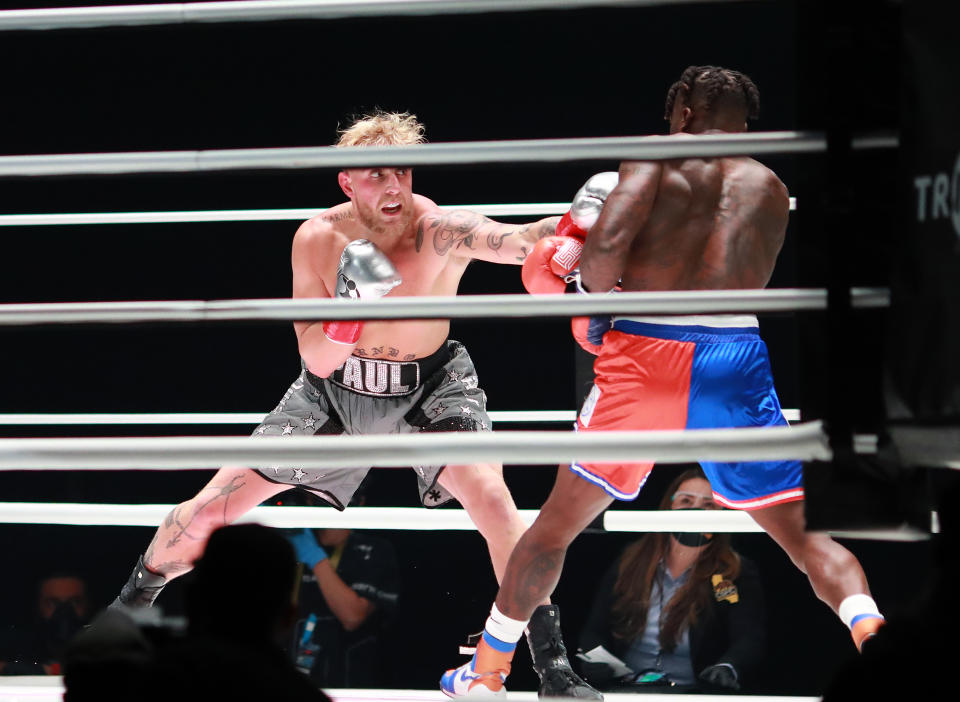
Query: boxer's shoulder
x,y
327,232
424,205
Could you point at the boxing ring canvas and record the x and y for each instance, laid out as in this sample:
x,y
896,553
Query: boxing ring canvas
x,y
50,689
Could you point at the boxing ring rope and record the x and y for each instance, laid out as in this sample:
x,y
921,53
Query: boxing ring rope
x,y
687,302
274,10
806,442
254,418
62,419
400,518
411,519
448,153
292,214
298,214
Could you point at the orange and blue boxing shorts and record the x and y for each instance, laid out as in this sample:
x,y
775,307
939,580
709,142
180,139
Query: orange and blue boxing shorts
x,y
688,372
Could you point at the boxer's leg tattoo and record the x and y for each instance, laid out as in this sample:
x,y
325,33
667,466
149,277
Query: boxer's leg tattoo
x,y
175,527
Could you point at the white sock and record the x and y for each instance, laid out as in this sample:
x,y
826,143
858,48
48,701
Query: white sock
x,y
502,627
855,607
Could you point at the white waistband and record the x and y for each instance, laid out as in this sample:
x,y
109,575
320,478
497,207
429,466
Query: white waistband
x,y
726,321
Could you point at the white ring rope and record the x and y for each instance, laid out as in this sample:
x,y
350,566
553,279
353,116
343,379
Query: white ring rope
x,y
61,419
450,153
268,10
410,518
798,442
300,214
188,418
440,307
414,518
297,214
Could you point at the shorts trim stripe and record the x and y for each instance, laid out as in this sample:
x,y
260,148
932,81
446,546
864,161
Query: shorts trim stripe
x,y
609,489
747,321
791,495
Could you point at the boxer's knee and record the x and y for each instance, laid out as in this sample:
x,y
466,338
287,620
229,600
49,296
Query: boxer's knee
x,y
553,530
479,487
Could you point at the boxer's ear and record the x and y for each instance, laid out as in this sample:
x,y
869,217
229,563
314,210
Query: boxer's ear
x,y
346,184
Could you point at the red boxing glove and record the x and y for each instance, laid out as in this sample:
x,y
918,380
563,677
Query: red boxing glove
x,y
551,261
580,327
567,227
343,332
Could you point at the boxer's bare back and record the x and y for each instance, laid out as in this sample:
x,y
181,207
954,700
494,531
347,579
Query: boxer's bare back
x,y
701,224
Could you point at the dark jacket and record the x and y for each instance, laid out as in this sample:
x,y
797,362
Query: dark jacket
x,y
353,658
726,632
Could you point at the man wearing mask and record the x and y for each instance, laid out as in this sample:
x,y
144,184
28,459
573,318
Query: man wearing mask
x,y
62,610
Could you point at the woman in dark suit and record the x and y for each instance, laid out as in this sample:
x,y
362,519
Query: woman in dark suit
x,y
679,609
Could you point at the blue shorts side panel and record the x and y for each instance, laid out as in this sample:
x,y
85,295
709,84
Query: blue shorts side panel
x,y
732,386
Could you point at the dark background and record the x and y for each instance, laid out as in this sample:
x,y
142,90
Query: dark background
x,y
470,77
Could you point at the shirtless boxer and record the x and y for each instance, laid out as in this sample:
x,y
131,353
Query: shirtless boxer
x,y
377,376
691,224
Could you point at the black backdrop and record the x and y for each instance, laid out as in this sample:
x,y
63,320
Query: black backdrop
x,y
502,76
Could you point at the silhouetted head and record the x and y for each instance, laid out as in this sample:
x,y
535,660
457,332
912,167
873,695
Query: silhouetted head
x,y
243,586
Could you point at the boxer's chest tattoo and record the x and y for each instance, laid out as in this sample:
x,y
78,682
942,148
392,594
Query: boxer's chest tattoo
x,y
336,217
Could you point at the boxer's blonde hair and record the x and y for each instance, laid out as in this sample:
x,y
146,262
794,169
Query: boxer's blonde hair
x,y
383,129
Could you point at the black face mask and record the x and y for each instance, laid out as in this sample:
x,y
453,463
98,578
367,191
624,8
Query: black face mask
x,y
62,626
690,538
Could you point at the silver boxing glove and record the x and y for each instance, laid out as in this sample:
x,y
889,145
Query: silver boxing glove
x,y
589,200
365,272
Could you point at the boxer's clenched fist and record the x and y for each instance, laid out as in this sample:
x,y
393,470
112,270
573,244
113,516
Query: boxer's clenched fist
x,y
364,272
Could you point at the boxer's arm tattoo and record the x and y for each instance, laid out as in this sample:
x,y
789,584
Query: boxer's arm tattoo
x,y
469,230
420,226
458,229
495,240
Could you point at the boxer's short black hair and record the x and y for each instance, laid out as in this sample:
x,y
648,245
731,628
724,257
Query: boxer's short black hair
x,y
715,88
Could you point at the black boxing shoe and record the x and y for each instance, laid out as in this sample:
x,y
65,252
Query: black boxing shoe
x,y
550,662
141,588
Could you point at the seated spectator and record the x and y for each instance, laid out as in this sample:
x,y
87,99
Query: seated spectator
x,y
240,602
61,610
681,610
348,595
108,660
